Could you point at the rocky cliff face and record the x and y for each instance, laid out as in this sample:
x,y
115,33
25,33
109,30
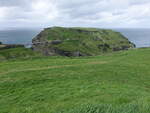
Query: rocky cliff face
x,y
79,41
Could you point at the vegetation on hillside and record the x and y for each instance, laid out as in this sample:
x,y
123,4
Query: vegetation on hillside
x,y
17,52
9,46
111,83
79,41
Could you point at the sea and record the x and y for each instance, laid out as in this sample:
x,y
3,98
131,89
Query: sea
x,y
140,37
18,36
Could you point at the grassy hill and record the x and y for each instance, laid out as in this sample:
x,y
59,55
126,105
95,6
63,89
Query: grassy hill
x,y
17,53
111,83
79,41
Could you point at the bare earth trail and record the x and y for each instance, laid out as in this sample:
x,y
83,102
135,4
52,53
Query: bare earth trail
x,y
51,67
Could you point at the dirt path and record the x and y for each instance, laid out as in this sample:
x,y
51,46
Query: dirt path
x,y
53,67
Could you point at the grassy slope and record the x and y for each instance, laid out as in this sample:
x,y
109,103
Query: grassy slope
x,y
18,52
53,84
85,40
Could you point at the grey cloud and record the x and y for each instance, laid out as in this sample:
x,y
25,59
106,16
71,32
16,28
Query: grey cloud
x,y
14,3
136,2
72,12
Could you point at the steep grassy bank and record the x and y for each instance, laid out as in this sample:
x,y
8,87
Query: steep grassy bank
x,y
112,83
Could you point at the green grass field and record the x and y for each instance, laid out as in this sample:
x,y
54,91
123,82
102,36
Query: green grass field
x,y
111,83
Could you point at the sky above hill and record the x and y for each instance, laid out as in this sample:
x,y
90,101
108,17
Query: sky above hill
x,y
85,13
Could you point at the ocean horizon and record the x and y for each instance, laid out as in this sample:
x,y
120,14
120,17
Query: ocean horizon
x,y
140,37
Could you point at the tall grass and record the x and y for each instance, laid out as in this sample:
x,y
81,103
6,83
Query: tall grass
x,y
109,108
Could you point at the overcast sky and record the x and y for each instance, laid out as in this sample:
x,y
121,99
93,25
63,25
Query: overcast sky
x,y
85,13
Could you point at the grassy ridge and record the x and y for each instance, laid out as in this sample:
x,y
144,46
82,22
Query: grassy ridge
x,y
118,82
87,41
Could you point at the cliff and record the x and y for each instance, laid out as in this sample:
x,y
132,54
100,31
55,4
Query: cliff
x,y
79,41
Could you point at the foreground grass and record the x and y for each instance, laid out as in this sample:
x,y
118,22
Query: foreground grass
x,y
113,83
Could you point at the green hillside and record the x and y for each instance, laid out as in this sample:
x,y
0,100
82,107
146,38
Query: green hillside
x,y
16,53
111,83
79,41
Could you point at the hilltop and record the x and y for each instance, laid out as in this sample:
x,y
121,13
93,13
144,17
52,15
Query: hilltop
x,y
79,41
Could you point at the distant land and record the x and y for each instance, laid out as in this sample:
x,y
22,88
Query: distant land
x,y
60,41
79,41
140,37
